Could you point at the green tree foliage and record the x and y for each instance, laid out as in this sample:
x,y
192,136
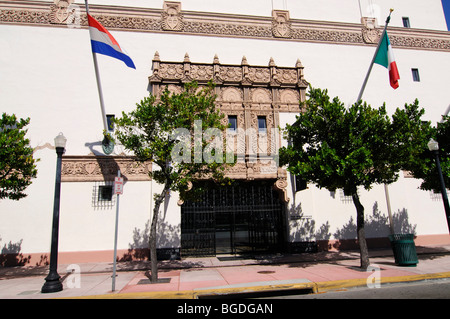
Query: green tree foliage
x,y
335,147
17,165
151,133
423,165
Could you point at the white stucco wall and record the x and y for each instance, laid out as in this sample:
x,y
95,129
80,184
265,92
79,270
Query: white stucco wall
x,y
47,74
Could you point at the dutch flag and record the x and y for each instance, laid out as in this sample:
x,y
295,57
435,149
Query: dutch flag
x,y
104,43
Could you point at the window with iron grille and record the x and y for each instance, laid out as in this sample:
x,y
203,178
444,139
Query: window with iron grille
x,y
103,195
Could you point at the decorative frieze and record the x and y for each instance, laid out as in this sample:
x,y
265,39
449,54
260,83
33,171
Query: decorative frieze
x,y
244,74
103,168
171,19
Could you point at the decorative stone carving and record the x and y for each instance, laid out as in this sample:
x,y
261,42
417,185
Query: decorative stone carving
x,y
151,20
289,96
281,27
59,11
172,71
244,91
232,94
259,75
172,19
231,73
260,95
103,168
281,185
202,72
370,32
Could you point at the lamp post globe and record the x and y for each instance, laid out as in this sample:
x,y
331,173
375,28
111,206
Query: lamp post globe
x,y
433,145
60,141
52,281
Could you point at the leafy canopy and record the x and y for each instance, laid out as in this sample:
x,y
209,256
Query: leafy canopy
x,y
17,165
149,131
335,147
423,165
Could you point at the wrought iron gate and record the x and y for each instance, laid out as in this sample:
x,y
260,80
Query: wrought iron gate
x,y
244,218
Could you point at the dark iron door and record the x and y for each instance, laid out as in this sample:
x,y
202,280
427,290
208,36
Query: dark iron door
x,y
244,218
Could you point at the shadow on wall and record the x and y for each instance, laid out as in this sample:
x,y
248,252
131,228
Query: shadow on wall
x,y
168,236
376,228
11,256
377,225
306,226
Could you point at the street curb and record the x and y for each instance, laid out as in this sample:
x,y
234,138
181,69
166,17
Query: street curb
x,y
353,283
314,287
204,293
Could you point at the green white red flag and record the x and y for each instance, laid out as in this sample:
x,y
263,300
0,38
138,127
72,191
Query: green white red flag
x,y
385,57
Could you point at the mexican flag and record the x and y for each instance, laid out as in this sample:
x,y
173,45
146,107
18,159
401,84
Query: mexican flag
x,y
385,57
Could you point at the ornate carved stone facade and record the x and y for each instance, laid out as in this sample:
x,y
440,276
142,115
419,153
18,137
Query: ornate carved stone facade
x,y
249,94
172,19
281,26
103,168
370,31
59,11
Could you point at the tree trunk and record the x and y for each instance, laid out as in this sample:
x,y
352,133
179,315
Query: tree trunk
x,y
364,252
152,241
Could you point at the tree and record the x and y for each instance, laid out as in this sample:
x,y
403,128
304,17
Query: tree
x,y
164,131
17,165
423,165
335,147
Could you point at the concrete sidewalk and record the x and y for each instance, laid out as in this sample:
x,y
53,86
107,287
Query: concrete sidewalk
x,y
213,277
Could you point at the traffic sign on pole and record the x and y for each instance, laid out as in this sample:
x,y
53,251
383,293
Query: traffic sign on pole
x,y
118,189
118,185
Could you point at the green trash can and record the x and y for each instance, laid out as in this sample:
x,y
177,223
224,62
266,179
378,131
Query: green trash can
x,y
404,249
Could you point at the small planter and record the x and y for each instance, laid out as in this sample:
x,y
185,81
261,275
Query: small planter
x,y
404,249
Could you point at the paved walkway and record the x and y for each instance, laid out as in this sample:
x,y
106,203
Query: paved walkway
x,y
193,278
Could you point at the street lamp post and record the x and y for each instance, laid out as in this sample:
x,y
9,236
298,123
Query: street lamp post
x,y
433,146
52,281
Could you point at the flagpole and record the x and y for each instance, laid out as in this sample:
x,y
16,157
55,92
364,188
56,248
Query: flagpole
x,y
99,85
386,191
388,19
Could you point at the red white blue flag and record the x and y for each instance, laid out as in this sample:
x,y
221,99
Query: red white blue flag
x,y
103,42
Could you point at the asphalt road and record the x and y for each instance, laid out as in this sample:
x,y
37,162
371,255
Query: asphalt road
x,y
433,289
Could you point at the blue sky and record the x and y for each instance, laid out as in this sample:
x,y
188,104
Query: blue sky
x,y
446,6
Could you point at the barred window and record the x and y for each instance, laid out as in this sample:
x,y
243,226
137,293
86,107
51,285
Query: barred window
x,y
103,195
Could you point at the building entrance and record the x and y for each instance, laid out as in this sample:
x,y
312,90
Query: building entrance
x,y
243,218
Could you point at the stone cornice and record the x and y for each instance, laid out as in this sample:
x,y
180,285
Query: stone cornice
x,y
278,27
93,168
